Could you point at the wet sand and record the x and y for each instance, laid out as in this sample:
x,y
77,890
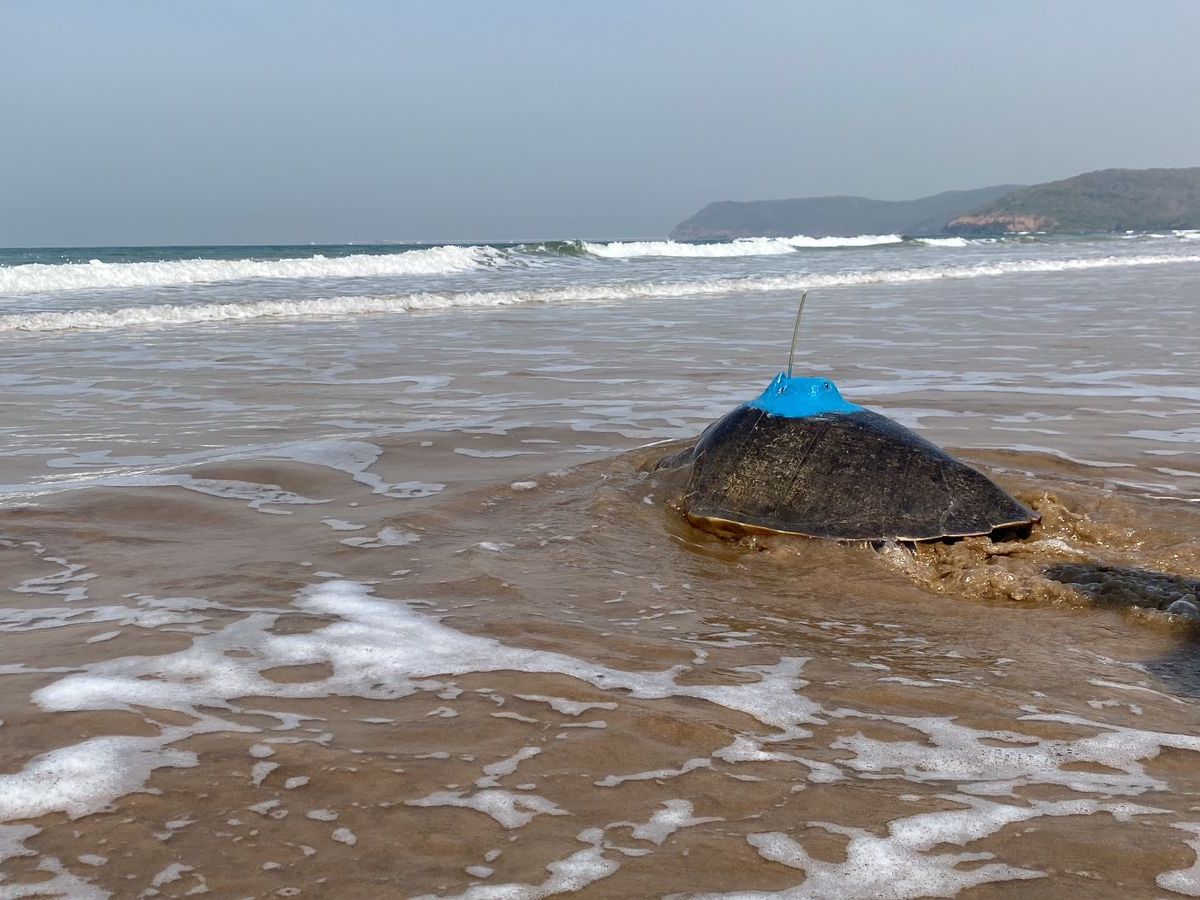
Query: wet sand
x,y
397,608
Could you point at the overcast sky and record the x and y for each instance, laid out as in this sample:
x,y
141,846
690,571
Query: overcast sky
x,y
255,121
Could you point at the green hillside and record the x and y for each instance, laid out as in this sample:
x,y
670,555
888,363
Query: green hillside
x,y
1107,200
838,216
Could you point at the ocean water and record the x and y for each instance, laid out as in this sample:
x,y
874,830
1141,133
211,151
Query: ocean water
x,y
345,571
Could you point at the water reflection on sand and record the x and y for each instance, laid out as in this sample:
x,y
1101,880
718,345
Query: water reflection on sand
x,y
393,606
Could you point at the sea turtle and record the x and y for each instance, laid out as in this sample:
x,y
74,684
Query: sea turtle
x,y
799,459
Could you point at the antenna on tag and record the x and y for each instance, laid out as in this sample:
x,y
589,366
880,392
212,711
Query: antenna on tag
x,y
796,333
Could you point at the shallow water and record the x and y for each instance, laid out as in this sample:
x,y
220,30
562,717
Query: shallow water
x,y
379,605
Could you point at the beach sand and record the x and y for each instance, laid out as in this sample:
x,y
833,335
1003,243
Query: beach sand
x,y
395,606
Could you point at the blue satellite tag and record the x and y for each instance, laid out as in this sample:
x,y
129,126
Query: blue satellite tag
x,y
798,397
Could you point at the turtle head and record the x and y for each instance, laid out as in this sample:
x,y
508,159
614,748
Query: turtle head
x,y
798,397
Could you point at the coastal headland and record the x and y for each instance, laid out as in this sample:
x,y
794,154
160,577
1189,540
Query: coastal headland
x,y
1102,201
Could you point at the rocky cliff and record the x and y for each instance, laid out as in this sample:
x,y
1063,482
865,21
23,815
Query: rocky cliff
x,y
998,223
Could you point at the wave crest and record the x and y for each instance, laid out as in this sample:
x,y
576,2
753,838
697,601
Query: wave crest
x,y
353,306
760,246
39,277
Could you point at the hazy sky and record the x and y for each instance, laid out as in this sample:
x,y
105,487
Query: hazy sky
x,y
288,121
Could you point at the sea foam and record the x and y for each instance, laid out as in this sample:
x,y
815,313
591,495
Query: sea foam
x,y
345,307
945,242
758,246
94,275
380,649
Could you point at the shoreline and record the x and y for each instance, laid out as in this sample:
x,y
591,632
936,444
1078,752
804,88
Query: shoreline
x,y
334,581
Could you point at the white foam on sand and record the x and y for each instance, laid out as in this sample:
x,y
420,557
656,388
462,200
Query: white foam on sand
x,y
565,706
996,763
261,497
12,840
491,454
354,458
1184,881
568,875
386,537
494,771
81,778
674,815
61,883
70,582
386,650
376,648
585,867
1178,436
342,525
257,496
148,614
509,809
901,865
699,762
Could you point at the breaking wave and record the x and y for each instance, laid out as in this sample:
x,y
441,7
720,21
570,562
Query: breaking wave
x,y
944,242
38,277
759,246
427,301
553,248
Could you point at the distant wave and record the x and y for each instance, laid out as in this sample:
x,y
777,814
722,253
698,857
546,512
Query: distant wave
x,y
944,242
37,277
553,248
353,306
761,246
